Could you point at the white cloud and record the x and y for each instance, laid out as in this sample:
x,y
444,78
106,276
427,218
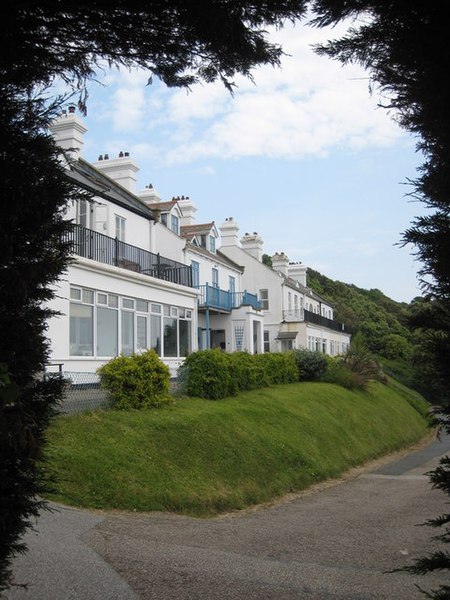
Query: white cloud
x,y
308,107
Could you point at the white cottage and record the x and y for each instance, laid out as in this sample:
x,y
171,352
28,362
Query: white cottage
x,y
294,315
120,294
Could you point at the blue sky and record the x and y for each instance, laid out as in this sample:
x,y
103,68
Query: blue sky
x,y
302,156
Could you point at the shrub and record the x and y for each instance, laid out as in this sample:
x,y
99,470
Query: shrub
x,y
207,374
136,381
359,360
215,374
278,367
248,373
340,374
311,366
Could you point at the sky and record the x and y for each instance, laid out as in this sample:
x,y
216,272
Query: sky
x,y
302,155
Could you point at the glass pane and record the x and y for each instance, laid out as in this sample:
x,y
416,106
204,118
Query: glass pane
x,y
113,301
102,298
155,334
127,303
156,308
170,336
106,332
127,333
141,305
185,338
81,330
88,296
75,294
141,332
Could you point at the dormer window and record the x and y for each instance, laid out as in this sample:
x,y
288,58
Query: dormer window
x,y
203,241
212,244
164,219
175,224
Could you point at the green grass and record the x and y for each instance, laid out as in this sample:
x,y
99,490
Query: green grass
x,y
203,457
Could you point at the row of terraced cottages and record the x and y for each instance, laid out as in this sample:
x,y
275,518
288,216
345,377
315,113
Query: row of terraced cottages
x,y
146,274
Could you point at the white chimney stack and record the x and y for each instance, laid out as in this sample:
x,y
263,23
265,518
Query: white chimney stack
x,y
280,263
188,210
297,272
253,244
122,170
149,195
229,232
68,132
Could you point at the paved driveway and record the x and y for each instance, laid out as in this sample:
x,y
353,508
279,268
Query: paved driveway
x,y
335,542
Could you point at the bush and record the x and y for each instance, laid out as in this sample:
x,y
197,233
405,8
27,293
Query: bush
x,y
215,374
278,367
207,374
311,366
248,373
360,361
340,374
136,381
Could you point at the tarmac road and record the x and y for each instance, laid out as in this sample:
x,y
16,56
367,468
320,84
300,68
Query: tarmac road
x,y
334,542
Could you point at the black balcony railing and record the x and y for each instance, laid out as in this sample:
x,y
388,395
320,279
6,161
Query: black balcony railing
x,y
111,251
311,317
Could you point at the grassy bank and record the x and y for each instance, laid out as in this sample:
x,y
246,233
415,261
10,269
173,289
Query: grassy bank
x,y
202,457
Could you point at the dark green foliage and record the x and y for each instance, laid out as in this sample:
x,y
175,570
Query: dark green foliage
x,y
182,41
137,381
207,374
246,372
279,367
311,366
215,374
360,360
34,191
341,374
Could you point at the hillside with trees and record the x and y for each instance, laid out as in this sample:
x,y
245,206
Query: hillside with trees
x,y
383,322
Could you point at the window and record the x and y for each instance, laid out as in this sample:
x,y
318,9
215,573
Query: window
x,y
195,266
203,241
101,330
264,299
141,332
120,228
83,213
215,277
170,336
212,244
232,284
107,331
127,332
81,330
289,301
164,219
175,224
266,341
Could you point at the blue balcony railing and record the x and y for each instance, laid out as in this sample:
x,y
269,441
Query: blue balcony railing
x,y
216,298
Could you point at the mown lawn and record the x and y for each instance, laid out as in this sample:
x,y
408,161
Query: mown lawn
x,y
203,457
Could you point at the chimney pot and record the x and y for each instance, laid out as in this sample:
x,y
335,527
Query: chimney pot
x,y
100,157
127,154
71,109
120,154
106,156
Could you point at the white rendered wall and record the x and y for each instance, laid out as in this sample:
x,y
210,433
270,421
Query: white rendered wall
x,y
99,277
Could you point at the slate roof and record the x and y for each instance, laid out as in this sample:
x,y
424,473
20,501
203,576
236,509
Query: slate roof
x,y
96,182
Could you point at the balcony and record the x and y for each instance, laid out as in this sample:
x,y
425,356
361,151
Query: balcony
x,y
302,315
111,251
225,301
